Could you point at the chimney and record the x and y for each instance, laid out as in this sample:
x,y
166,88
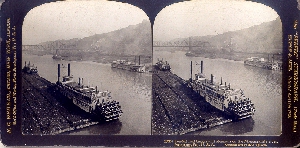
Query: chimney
x,y
201,66
69,69
82,82
58,72
79,81
211,78
25,63
225,83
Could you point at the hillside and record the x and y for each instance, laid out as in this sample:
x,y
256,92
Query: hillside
x,y
265,38
131,41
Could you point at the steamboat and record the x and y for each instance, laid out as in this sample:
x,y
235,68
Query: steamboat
x,y
230,101
127,65
56,56
90,99
162,65
30,69
260,62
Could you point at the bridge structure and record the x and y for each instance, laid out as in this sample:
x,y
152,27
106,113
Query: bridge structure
x,y
182,43
52,46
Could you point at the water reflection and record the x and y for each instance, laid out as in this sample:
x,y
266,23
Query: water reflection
x,y
238,128
234,128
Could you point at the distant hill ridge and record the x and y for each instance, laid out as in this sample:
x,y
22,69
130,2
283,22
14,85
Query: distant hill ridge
x,y
263,38
132,40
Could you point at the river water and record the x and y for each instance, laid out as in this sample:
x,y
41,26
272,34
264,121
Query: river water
x,y
263,87
131,89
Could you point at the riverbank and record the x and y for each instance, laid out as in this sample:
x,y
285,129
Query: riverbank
x,y
235,56
96,57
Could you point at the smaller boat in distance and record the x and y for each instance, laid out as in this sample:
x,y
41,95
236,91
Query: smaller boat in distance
x,y
131,66
162,65
56,56
30,69
260,62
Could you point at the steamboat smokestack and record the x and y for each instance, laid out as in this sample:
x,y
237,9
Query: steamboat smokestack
x,y
211,78
201,66
191,70
139,60
79,81
58,72
221,81
69,69
25,63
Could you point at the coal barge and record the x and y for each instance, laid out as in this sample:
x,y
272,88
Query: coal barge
x,y
231,101
90,99
46,111
42,112
176,108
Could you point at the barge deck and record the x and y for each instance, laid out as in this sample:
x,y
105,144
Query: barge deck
x,y
177,109
45,113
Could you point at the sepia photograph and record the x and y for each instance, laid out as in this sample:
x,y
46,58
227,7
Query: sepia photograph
x,y
148,73
218,69
85,69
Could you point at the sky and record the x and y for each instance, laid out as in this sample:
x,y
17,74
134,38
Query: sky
x,y
77,19
209,17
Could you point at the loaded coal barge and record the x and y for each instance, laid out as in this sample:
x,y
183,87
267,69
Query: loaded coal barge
x,y
231,101
90,99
